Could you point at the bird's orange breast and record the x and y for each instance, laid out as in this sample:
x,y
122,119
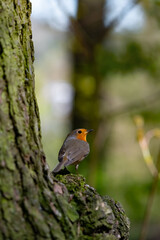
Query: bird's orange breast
x,y
82,137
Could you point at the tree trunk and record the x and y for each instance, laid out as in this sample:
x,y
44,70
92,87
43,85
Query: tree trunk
x,y
90,32
32,204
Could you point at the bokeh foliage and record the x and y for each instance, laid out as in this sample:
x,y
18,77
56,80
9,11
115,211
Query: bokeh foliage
x,y
115,75
129,63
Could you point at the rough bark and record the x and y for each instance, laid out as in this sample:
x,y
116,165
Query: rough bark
x,y
33,205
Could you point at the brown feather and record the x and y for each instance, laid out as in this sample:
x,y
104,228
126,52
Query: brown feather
x,y
76,150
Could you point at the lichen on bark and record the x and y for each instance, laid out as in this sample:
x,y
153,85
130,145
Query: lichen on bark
x,y
94,216
34,205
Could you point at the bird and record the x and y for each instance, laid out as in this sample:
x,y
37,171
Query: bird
x,y
74,149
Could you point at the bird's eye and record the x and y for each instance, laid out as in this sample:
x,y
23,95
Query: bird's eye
x,y
79,131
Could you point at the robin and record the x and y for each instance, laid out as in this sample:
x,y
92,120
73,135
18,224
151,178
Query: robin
x,y
74,149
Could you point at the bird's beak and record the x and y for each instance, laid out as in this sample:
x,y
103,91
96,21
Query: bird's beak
x,y
89,130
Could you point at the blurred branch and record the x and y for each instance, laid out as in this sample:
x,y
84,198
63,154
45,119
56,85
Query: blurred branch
x,y
83,36
112,24
122,14
149,205
144,140
135,105
126,109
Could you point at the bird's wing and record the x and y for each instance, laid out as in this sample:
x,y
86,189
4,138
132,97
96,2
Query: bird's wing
x,y
76,151
61,153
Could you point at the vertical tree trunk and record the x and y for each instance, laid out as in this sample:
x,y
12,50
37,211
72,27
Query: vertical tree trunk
x,y
90,32
32,205
21,154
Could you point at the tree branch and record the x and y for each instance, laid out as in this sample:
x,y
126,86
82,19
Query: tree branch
x,y
137,105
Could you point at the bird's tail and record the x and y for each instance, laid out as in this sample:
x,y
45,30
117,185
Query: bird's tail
x,y
58,167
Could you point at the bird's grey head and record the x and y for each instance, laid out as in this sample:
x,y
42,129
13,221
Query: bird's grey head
x,y
79,133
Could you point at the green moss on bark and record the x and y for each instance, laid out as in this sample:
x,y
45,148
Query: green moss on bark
x,y
95,217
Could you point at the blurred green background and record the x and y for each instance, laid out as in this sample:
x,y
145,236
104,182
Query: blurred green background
x,y
97,65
